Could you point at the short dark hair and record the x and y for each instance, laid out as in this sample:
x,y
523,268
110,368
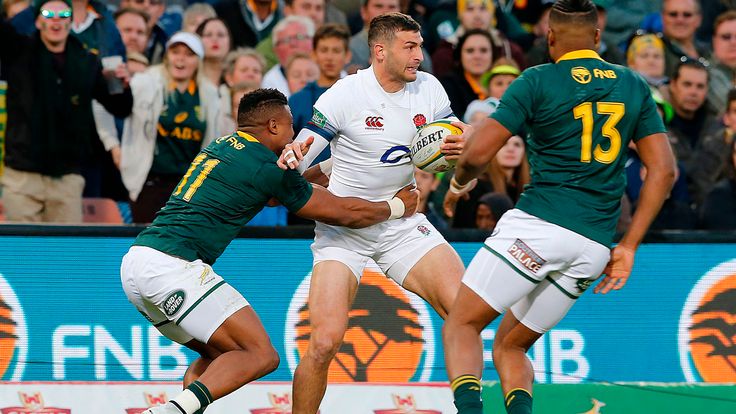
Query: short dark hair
x,y
574,12
259,104
130,10
383,28
724,17
730,98
686,62
332,30
458,51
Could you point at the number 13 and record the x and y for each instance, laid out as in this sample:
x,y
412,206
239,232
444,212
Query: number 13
x,y
615,112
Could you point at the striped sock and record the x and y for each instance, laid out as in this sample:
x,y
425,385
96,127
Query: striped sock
x,y
518,401
466,389
194,399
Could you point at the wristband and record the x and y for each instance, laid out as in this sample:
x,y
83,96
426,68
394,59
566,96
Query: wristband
x,y
397,208
326,167
456,188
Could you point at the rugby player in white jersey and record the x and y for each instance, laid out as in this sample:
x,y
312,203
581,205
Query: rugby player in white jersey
x,y
369,119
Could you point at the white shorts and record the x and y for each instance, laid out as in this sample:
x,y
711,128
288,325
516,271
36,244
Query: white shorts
x,y
395,245
534,268
183,299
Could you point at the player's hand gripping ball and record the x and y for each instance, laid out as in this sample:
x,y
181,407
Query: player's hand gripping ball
x,y
425,146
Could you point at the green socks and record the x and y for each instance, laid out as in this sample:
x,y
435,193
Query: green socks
x,y
518,401
466,389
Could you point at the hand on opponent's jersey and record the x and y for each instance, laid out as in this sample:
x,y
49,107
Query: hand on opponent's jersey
x,y
453,144
617,270
409,195
293,153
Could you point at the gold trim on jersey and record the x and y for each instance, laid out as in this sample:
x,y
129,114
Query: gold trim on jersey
x,y
247,137
580,54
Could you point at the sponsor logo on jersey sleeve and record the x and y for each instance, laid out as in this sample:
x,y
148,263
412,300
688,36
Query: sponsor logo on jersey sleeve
x,y
318,118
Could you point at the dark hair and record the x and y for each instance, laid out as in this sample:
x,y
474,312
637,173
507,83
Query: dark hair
x,y
332,30
383,28
130,10
686,62
574,12
731,97
256,105
200,29
458,51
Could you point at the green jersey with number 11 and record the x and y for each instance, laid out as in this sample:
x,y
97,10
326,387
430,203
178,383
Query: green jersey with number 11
x,y
227,184
581,113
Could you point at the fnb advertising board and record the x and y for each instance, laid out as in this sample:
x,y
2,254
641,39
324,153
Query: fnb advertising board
x,y
63,316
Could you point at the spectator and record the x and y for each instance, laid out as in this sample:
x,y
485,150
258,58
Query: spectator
x,y
13,7
331,53
539,53
249,21
498,79
314,9
300,70
426,184
176,113
719,208
680,20
291,35
52,80
723,68
474,58
624,17
688,89
133,27
491,207
645,55
478,110
509,169
710,11
711,160
242,66
137,63
195,14
235,93
474,14
157,36
217,43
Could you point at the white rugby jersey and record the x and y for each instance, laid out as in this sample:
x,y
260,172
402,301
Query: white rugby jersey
x,y
369,132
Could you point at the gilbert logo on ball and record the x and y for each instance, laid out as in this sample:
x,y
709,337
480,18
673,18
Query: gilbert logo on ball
x,y
425,146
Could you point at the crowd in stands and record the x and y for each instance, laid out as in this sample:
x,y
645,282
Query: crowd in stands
x,y
115,99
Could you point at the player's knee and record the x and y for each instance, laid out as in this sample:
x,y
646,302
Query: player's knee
x,y
270,359
324,344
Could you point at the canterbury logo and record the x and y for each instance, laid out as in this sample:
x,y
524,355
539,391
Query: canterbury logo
x,y
374,122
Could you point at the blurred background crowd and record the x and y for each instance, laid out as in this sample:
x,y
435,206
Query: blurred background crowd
x,y
103,105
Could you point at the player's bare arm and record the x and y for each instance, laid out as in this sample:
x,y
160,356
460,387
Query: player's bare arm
x,y
293,153
319,174
355,212
657,157
480,147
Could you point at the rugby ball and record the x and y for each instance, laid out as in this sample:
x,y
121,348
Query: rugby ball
x,y
425,146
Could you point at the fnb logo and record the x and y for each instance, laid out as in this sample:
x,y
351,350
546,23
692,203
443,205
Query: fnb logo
x,y
389,337
13,334
706,338
374,122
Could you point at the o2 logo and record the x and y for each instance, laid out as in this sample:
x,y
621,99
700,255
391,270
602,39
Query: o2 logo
x,y
395,154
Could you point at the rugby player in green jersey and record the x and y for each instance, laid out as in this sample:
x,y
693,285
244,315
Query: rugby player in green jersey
x,y
168,275
581,113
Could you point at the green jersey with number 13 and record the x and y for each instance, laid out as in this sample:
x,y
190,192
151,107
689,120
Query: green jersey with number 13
x,y
581,113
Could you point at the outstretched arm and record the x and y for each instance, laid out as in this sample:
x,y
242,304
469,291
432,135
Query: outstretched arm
x,y
355,212
657,157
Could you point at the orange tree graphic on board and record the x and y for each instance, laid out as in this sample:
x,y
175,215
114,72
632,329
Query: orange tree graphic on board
x,y
383,341
713,333
8,337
